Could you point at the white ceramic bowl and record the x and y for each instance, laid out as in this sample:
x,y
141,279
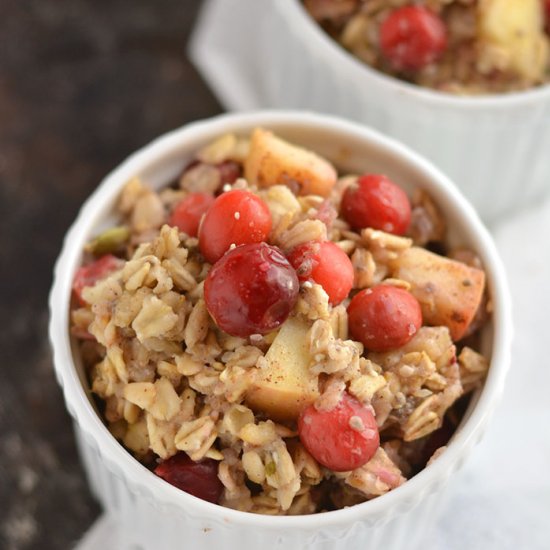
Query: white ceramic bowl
x,y
496,148
156,515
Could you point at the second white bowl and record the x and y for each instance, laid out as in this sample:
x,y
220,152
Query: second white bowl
x,y
274,55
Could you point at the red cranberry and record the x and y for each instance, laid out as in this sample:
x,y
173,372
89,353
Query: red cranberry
x,y
326,264
199,479
236,217
375,201
251,290
341,439
187,214
412,37
88,275
384,317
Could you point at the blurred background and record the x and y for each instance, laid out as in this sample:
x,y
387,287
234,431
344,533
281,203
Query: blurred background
x,y
82,85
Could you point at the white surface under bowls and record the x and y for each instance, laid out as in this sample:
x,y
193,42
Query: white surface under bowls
x,y
273,55
151,513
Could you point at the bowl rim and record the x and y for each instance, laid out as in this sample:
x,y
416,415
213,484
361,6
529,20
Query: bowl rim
x,y
298,17
123,464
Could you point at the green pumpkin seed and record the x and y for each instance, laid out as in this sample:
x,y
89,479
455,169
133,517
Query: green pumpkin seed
x,y
110,240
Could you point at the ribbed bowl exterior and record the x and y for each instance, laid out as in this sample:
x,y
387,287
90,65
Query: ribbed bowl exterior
x,y
496,149
145,525
153,515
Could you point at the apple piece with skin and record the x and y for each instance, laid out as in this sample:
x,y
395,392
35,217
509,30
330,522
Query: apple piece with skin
x,y
449,291
284,386
273,161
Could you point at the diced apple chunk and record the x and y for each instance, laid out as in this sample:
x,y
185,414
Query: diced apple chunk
x,y
284,386
512,36
273,161
449,292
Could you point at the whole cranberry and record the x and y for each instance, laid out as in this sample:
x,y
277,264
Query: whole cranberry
x,y
326,264
187,214
251,290
341,439
90,274
199,479
412,37
384,317
375,201
235,217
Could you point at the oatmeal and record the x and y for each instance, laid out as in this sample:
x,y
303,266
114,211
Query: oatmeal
x,y
457,46
274,337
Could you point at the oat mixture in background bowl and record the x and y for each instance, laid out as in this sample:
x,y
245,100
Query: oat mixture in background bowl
x,y
457,46
276,338
494,145
150,512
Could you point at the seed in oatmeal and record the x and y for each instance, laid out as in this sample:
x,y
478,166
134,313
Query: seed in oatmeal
x,y
376,202
325,264
220,227
110,241
251,290
384,317
342,438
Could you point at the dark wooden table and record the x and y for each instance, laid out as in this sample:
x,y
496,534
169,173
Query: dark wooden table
x,y
82,85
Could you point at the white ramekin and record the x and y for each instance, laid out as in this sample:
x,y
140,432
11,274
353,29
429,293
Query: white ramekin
x,y
495,148
153,514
